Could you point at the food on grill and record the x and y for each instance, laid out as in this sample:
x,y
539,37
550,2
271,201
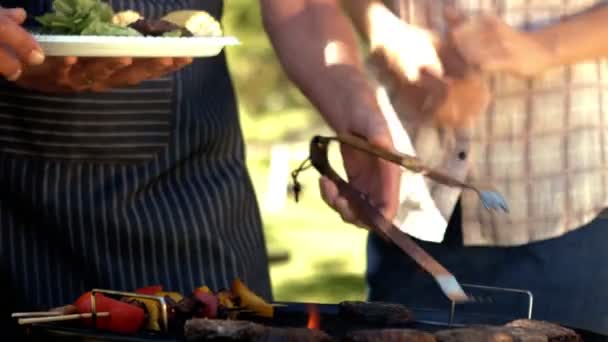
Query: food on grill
x,y
238,314
223,330
476,334
149,290
393,335
375,312
295,335
130,313
250,300
174,296
517,331
553,332
209,304
207,329
124,318
151,309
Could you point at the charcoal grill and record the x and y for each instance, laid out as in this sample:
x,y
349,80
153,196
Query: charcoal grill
x,y
294,314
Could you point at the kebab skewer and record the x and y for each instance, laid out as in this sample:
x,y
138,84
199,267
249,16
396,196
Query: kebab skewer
x,y
142,309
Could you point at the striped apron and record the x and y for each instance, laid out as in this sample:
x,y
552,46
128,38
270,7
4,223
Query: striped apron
x,y
137,186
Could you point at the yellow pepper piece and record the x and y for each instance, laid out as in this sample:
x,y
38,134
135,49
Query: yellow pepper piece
x,y
251,300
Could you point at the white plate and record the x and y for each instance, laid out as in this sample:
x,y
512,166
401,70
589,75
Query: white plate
x,y
105,46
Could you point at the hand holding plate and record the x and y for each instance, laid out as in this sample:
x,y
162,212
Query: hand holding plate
x,y
72,74
19,48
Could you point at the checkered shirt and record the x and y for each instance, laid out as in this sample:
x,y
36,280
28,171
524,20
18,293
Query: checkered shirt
x,y
543,142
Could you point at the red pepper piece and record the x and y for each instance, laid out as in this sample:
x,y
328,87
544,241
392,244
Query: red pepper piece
x,y
150,290
124,318
209,303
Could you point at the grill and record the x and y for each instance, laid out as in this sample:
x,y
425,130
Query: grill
x,y
297,315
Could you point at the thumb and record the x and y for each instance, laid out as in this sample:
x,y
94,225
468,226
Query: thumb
x,y
18,15
454,16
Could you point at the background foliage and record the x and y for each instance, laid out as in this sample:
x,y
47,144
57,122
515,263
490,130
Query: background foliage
x,y
326,257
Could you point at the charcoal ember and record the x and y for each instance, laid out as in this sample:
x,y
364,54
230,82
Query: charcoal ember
x,y
394,335
157,28
554,332
375,312
203,329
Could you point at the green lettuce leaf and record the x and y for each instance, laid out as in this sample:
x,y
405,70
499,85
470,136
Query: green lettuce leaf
x,y
98,28
82,17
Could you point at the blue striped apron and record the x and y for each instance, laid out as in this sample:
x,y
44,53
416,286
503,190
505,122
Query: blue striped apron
x,y
137,186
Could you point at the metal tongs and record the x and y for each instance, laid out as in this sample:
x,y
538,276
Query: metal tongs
x,y
373,218
490,198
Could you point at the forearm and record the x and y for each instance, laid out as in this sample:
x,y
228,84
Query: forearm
x,y
579,38
318,49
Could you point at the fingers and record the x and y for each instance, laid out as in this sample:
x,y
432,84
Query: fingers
x,y
160,67
10,67
179,63
436,91
62,66
466,99
17,14
96,71
331,196
14,37
52,76
142,69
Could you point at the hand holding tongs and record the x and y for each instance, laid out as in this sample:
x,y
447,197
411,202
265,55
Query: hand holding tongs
x,y
373,218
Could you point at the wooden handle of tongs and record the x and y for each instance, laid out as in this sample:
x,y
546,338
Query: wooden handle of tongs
x,y
411,163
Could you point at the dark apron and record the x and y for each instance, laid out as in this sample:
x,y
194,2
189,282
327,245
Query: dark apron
x,y
568,276
138,186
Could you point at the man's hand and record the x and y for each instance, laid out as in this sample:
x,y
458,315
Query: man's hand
x,y
454,100
71,74
19,49
377,178
493,46
406,49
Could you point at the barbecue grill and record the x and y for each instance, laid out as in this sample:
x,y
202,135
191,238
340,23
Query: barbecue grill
x,y
331,321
